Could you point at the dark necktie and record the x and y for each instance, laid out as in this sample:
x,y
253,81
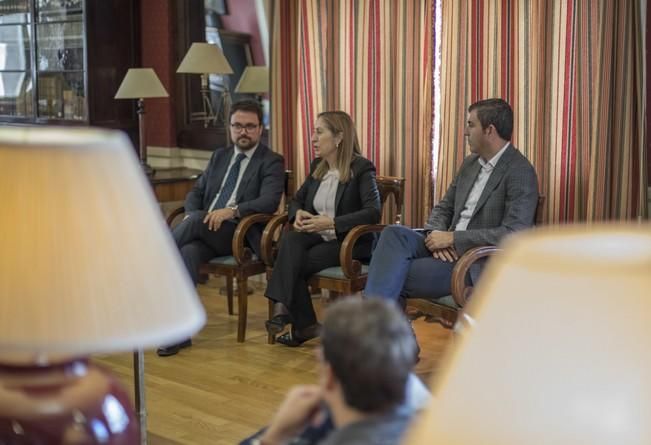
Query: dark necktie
x,y
229,185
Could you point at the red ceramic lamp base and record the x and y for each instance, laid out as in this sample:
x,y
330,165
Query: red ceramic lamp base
x,y
70,403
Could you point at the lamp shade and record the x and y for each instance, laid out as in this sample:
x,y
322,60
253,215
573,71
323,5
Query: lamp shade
x,y
204,58
255,79
87,263
560,348
140,83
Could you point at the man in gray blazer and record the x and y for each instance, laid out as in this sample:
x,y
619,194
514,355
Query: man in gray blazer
x,y
239,180
494,193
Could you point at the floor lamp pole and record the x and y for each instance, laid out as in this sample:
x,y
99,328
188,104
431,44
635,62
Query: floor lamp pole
x,y
226,111
142,152
139,389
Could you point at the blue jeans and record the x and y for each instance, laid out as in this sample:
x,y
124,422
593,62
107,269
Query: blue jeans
x,y
402,266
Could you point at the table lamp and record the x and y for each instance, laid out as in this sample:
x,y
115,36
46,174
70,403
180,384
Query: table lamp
x,y
205,58
141,83
558,348
87,266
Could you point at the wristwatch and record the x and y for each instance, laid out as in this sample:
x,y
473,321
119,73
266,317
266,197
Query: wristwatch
x,y
234,209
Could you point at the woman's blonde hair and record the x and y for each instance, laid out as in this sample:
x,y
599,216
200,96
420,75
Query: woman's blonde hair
x,y
340,123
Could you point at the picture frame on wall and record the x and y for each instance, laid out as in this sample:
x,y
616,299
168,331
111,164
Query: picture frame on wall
x,y
237,50
219,6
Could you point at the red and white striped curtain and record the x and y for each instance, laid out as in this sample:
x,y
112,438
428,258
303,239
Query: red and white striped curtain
x,y
573,72
370,58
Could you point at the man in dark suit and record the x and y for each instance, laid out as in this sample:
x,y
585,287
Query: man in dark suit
x,y
494,193
240,180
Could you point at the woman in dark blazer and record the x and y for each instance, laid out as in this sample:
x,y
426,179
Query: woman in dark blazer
x,y
339,194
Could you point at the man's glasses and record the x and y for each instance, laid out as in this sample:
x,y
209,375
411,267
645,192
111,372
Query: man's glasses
x,y
248,127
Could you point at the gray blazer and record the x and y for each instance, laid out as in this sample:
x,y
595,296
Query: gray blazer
x,y
508,202
259,191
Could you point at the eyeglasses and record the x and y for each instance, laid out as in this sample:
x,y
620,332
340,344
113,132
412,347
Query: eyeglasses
x,y
247,127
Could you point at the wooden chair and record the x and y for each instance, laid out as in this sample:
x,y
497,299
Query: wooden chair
x,y
447,310
350,277
242,264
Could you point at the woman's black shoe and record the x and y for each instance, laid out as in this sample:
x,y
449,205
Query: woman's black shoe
x,y
277,323
295,338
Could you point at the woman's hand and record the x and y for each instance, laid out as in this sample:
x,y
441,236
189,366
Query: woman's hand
x,y
318,223
301,217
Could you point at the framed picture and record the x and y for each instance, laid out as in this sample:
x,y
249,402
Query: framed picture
x,y
237,50
219,6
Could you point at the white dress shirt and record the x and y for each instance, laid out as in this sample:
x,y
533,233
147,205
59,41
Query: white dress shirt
x,y
324,200
477,188
243,164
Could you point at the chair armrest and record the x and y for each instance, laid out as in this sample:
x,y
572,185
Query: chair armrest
x,y
350,267
267,243
242,253
176,212
461,292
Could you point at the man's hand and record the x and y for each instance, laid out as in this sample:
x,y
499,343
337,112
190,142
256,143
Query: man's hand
x,y
449,255
301,217
215,218
318,223
300,407
437,240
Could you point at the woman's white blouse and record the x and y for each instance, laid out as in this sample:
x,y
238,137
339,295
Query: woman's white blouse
x,y
324,200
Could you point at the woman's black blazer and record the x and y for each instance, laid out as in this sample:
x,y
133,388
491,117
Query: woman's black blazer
x,y
357,201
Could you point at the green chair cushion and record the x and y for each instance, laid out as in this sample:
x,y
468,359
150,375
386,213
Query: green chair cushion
x,y
228,260
446,301
338,273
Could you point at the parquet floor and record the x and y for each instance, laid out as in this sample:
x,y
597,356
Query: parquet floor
x,y
219,391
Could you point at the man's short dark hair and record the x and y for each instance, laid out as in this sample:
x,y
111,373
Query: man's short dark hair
x,y
371,349
495,112
249,106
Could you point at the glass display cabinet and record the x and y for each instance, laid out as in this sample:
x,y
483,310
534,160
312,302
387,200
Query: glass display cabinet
x,y
61,61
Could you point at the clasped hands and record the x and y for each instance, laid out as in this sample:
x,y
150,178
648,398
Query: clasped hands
x,y
306,222
302,407
441,244
215,218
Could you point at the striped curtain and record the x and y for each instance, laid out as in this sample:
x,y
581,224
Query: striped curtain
x,y
370,58
573,72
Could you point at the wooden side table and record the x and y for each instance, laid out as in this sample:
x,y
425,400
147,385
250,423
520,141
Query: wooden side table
x,y
172,184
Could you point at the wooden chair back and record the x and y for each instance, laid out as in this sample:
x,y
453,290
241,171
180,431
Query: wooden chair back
x,y
392,186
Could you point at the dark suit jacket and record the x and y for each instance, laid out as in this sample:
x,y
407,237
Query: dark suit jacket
x,y
260,189
357,201
507,203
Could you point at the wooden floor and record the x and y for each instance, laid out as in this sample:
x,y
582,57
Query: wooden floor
x,y
219,391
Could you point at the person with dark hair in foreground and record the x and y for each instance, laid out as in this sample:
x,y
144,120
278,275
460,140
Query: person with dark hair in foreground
x,y
494,193
367,355
242,179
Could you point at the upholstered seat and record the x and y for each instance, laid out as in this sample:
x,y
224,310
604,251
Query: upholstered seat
x,y
229,260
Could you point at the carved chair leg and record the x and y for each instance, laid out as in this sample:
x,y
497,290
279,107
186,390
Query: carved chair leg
x,y
271,339
229,293
242,303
